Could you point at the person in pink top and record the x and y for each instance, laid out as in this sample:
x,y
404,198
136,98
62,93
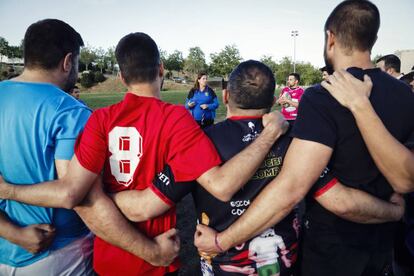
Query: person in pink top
x,y
290,96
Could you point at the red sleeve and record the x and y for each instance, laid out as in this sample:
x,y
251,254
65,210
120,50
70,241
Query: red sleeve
x,y
190,153
90,148
300,94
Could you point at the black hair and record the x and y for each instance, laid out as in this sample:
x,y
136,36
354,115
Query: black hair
x,y
296,76
323,69
355,24
391,61
251,85
138,58
48,41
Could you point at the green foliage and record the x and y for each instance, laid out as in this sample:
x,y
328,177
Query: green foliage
x,y
270,63
99,77
196,61
223,63
87,56
87,79
10,51
174,62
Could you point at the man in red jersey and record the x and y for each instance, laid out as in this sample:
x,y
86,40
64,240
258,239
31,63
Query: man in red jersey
x,y
131,142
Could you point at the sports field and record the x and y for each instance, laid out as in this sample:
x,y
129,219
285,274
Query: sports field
x,y
97,100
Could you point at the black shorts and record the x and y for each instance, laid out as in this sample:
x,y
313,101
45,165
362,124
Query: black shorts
x,y
321,258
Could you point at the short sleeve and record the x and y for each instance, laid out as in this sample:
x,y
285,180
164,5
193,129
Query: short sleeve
x,y
90,148
314,122
409,143
165,187
66,128
190,153
325,181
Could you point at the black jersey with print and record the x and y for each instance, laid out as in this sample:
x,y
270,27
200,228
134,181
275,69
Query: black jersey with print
x,y
274,250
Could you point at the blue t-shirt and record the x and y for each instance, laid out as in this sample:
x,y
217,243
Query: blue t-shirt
x,y
207,96
39,124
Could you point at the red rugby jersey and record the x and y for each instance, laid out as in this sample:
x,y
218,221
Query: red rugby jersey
x,y
295,94
132,141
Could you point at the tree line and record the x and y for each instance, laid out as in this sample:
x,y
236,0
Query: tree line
x,y
220,65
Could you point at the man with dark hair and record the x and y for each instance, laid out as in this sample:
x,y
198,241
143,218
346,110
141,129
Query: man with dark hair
x,y
326,134
36,145
290,96
130,142
74,92
325,73
391,64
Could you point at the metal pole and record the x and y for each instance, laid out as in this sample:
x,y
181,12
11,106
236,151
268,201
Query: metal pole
x,y
294,34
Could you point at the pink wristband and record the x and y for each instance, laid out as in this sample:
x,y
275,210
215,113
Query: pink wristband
x,y
217,243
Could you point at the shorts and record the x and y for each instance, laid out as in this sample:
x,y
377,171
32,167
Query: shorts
x,y
75,259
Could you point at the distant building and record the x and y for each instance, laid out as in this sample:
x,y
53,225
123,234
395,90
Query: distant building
x,y
11,61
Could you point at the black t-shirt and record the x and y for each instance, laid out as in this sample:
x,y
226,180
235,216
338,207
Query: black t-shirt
x,y
230,137
322,119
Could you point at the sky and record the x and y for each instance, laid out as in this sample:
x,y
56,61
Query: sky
x,y
257,28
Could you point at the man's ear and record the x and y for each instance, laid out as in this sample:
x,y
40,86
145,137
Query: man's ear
x,y
121,77
225,96
67,62
330,39
161,74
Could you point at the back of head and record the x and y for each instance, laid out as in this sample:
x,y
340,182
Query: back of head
x,y
47,42
355,24
251,85
138,58
391,61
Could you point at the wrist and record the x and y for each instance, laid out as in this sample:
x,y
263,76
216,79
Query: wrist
x,y
359,105
223,242
7,191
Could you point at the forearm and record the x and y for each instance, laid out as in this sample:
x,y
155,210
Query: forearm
x,y
224,181
263,213
8,229
358,206
48,194
395,161
104,219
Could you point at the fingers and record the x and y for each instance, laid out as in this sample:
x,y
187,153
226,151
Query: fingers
x,y
46,227
171,234
367,80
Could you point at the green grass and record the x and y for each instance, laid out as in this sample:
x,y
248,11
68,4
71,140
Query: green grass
x,y
98,100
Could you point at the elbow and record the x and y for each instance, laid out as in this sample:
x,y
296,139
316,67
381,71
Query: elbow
x,y
403,186
222,194
70,199
137,216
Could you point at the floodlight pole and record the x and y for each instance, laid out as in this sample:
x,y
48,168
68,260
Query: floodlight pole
x,y
294,34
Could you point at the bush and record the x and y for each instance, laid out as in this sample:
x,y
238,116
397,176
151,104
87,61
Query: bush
x,y
99,77
87,79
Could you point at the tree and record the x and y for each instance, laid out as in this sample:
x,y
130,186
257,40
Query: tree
x,y
175,62
270,63
87,56
308,73
110,59
284,69
100,58
4,48
196,61
223,63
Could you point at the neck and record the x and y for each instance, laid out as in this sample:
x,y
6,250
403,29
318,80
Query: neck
x,y
232,112
355,59
41,76
395,74
202,87
145,89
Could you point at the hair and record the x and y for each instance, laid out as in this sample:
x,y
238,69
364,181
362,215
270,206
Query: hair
x,y
197,86
138,58
355,24
408,78
251,85
48,41
391,61
75,87
323,69
296,76
196,83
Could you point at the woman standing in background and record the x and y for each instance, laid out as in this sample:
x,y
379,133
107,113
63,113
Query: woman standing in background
x,y
202,102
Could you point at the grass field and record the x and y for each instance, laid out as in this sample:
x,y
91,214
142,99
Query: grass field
x,y
97,100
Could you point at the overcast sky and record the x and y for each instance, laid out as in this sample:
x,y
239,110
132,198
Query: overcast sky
x,y
257,28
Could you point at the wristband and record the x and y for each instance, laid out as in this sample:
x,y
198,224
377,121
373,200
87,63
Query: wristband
x,y
217,243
